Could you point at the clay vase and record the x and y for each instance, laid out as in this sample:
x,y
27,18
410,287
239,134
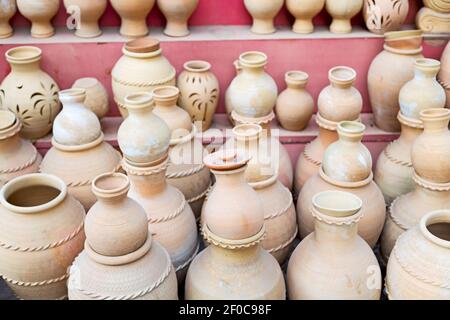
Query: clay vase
x,y
88,12
444,74
263,13
235,229
96,95
17,156
346,167
8,9
40,13
382,16
199,93
389,72
304,11
432,21
29,92
41,233
186,171
295,105
177,14
141,68
133,14
342,11
420,263
334,262
120,260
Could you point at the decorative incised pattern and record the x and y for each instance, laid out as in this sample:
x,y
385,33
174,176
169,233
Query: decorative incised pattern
x,y
285,244
283,210
336,221
185,173
87,182
171,216
394,218
432,21
226,244
309,157
438,5
143,84
201,101
445,85
395,160
378,20
188,261
35,284
201,195
27,164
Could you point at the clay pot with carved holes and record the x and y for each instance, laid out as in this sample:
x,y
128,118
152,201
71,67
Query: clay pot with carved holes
x,y
382,16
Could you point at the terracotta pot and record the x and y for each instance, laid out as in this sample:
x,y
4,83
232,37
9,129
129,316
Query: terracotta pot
x,y
199,93
177,14
234,228
41,234
133,14
96,95
40,13
17,156
382,16
263,13
444,75
295,105
88,12
437,5
431,21
29,92
334,262
389,72
120,260
342,12
141,68
420,263
8,9
304,11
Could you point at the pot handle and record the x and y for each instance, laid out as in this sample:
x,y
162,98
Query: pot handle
x,y
237,66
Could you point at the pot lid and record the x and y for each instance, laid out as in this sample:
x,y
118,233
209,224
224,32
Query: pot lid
x,y
227,159
143,45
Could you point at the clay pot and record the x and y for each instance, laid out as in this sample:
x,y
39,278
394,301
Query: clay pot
x,y
431,21
40,13
263,13
234,228
88,12
177,14
444,74
295,105
29,92
7,11
334,262
382,16
17,156
41,233
199,93
420,264
342,12
389,72
142,68
120,260
133,14
96,95
304,11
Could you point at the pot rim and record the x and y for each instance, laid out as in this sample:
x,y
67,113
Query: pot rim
x,y
260,59
197,66
351,128
403,34
247,131
427,63
148,48
435,217
34,55
296,77
72,95
435,114
86,83
165,94
120,185
227,161
9,124
81,147
139,100
344,210
342,75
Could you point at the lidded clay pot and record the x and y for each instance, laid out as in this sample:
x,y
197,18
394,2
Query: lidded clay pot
x,y
88,12
382,16
419,266
342,12
17,156
234,228
120,260
96,95
263,13
444,74
304,11
177,13
8,9
40,13
389,71
142,68
41,233
334,262
295,105
29,92
133,14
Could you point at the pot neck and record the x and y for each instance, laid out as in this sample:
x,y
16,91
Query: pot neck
x,y
236,257
229,179
148,181
296,80
342,77
436,124
426,69
111,188
404,42
351,132
32,66
334,235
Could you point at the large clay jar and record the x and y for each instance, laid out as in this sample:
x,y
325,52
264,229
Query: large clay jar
x,y
120,260
419,267
234,228
263,13
79,153
346,167
88,13
304,11
29,92
17,156
334,262
96,95
199,93
444,74
133,14
389,71
177,14
382,16
342,12
141,68
8,9
40,13
295,105
41,233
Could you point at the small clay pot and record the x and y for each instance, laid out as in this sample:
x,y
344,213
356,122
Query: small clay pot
x,y
40,13
88,13
96,95
177,13
263,13
382,16
342,12
8,9
133,14
304,11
